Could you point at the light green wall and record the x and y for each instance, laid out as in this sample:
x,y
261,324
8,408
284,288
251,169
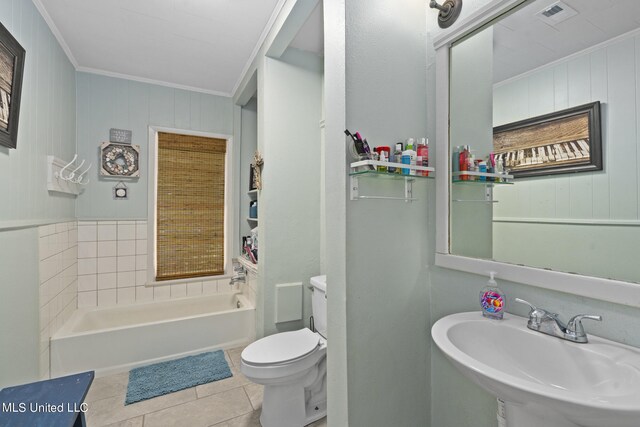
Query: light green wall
x,y
107,102
289,101
605,197
387,311
456,402
47,126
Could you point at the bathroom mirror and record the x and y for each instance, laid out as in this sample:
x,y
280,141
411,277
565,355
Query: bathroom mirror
x,y
542,58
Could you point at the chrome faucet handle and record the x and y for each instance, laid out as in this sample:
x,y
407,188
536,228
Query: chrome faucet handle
x,y
531,306
575,328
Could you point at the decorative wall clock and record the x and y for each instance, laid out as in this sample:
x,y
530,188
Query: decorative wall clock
x,y
120,160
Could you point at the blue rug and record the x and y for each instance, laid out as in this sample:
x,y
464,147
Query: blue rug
x,y
175,375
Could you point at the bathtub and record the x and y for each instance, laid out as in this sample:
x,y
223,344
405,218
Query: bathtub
x,y
116,339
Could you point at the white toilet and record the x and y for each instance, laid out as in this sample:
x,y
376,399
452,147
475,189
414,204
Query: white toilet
x,y
292,366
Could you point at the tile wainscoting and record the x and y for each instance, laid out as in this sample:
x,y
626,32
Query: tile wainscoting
x,y
112,267
58,282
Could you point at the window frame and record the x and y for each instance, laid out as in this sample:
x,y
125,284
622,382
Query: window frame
x,y
152,200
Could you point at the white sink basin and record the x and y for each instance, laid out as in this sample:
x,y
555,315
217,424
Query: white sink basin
x,y
544,381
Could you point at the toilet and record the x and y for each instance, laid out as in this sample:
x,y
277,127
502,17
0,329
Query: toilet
x,y
292,366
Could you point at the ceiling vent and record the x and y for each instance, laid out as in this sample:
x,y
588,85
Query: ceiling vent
x,y
556,13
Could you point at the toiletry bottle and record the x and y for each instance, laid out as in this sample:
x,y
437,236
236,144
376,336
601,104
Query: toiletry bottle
x,y
455,163
397,156
482,168
492,299
471,164
406,159
464,162
423,155
383,158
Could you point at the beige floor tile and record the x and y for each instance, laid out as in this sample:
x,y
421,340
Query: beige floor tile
x,y
235,356
202,412
237,380
109,386
255,391
228,358
133,422
252,419
111,410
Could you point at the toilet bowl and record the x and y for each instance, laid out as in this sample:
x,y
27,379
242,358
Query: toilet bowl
x,y
292,366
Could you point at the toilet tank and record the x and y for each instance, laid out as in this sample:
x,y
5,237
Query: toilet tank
x,y
319,304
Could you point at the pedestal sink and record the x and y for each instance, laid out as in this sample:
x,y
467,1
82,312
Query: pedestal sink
x,y
543,380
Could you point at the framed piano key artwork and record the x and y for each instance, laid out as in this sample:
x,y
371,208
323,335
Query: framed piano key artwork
x,y
566,141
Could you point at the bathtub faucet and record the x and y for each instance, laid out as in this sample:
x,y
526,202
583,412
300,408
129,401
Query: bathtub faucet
x,y
240,275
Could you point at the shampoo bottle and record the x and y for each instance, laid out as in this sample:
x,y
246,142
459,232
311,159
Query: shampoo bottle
x,y
492,299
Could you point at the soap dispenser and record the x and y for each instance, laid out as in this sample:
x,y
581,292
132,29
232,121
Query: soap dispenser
x,y
492,299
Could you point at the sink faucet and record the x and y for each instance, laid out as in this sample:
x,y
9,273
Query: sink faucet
x,y
544,321
240,275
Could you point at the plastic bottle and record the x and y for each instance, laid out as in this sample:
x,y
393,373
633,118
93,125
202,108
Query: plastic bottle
x,y
406,159
397,157
423,155
482,168
383,158
464,162
492,299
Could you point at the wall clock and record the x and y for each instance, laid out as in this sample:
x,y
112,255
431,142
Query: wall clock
x,y
120,160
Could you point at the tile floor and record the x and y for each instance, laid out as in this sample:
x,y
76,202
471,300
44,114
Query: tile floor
x,y
232,402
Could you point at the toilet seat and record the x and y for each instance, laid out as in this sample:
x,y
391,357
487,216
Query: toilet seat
x,y
284,347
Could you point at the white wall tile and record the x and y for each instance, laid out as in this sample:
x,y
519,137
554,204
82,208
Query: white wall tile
x,y
210,287
107,248
126,231
107,281
141,230
87,250
87,233
107,298
87,266
88,299
144,294
107,231
126,279
179,290
161,293
127,263
126,247
194,289
141,278
141,247
126,295
87,282
107,265
141,262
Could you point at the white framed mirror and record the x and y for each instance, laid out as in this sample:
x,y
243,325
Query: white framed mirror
x,y
569,220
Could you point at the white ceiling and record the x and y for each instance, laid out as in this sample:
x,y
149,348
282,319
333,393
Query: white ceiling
x,y
196,44
523,42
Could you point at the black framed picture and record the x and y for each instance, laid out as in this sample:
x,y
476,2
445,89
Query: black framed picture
x,y
566,141
11,70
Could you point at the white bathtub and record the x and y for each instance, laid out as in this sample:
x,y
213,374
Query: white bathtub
x,y
115,339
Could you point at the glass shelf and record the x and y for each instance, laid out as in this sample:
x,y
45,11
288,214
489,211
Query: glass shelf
x,y
368,168
457,181
474,178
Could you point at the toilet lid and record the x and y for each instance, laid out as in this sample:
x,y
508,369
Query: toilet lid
x,y
280,348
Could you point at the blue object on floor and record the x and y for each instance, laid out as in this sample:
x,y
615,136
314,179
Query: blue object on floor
x,y
175,375
57,402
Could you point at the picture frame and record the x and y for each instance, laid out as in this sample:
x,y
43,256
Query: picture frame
x,y
566,141
12,56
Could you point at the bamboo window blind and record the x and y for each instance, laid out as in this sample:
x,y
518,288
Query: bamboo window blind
x,y
190,206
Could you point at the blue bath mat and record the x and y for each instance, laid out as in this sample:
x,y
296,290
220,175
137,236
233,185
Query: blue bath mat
x,y
175,375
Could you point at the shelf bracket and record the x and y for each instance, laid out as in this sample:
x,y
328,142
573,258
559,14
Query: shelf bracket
x,y
355,191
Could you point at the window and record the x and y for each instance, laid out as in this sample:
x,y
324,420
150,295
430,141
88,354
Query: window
x,y
190,206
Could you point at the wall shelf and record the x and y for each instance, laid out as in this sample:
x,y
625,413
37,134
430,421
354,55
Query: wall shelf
x,y
368,169
55,182
253,194
475,178
252,219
